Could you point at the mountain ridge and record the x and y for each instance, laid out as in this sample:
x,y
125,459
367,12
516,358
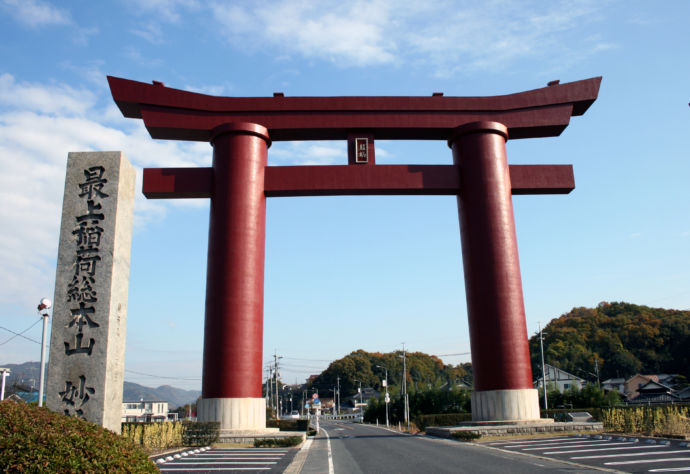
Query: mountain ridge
x,y
26,376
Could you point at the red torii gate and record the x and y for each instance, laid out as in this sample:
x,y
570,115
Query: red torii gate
x,y
241,130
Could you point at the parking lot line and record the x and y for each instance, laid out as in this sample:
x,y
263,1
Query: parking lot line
x,y
604,449
643,461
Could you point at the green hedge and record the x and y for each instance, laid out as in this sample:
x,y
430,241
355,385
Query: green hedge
x,y
443,419
36,439
172,434
288,425
278,442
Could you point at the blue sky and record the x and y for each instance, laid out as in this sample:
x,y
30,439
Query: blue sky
x,y
344,273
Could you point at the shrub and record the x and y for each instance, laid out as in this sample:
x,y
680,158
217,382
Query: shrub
x,y
277,442
197,433
288,425
34,439
465,435
442,419
650,420
154,436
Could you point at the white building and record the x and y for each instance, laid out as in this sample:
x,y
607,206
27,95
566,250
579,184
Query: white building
x,y
145,411
561,379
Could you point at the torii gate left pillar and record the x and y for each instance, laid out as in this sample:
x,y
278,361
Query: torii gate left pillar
x,y
233,331
240,130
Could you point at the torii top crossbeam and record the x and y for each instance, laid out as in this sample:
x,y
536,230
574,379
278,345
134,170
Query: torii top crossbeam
x,y
181,115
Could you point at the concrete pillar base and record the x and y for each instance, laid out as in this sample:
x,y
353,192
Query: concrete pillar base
x,y
236,414
505,405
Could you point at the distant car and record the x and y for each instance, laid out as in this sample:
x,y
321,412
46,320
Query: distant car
x,y
294,414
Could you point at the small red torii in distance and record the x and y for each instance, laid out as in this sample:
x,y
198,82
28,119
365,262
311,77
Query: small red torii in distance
x,y
241,130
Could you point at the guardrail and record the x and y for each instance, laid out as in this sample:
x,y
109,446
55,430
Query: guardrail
x,y
349,416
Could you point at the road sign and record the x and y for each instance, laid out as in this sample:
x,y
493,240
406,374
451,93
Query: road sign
x,y
388,398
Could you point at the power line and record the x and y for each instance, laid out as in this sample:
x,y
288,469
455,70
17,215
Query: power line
x,y
162,376
20,333
310,360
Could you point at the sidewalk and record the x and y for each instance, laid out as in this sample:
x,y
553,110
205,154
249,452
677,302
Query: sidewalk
x,y
312,458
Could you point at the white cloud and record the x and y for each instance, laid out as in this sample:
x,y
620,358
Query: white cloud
x,y
439,35
134,55
353,33
308,153
39,125
36,13
151,32
164,10
48,99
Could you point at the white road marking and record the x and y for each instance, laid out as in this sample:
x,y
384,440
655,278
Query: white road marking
x,y
641,461
671,469
601,449
186,469
654,453
330,454
225,458
582,445
497,443
230,455
229,463
562,443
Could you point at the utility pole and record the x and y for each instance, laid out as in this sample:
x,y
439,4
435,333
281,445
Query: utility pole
x,y
269,385
596,369
338,399
275,374
543,368
406,405
387,399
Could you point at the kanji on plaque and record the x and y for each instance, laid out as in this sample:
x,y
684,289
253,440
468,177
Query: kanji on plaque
x,y
361,150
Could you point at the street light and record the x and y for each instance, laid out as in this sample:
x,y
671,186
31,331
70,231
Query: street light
x,y
361,401
43,308
387,399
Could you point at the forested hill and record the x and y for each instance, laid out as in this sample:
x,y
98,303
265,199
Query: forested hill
x,y
625,338
423,371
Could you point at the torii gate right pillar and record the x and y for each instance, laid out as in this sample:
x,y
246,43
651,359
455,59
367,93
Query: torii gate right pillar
x,y
498,333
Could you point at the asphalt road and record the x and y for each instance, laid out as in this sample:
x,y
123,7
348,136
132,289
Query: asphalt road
x,y
353,448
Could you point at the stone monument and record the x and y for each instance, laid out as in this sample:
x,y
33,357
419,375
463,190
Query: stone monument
x,y
87,345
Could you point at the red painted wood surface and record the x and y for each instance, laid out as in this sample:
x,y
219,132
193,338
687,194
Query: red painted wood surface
x,y
181,115
493,285
233,330
280,181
